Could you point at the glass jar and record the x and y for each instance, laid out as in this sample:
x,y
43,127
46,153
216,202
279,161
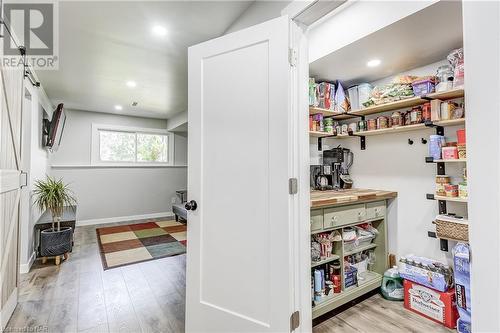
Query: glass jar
x,y
445,78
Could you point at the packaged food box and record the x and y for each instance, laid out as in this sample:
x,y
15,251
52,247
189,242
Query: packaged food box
x,y
434,305
423,87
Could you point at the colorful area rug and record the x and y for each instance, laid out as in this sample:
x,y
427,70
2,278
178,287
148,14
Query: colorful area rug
x,y
129,244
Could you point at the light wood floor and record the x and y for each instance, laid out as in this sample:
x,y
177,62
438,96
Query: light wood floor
x,y
78,296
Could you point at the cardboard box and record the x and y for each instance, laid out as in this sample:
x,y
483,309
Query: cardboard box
x,y
432,304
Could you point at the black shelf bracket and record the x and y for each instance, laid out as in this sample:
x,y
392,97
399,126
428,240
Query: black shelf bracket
x,y
429,159
320,144
443,244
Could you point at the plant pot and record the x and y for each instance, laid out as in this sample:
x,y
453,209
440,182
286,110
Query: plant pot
x,y
55,243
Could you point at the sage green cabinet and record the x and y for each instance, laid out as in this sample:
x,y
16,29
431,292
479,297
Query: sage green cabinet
x,y
316,219
337,216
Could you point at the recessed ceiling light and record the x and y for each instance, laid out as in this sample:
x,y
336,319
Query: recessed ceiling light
x,y
131,84
118,107
159,30
373,63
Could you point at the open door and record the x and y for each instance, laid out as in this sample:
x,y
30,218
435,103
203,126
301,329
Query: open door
x,y
240,274
11,91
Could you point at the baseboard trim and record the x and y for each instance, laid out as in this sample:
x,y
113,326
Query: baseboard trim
x,y
8,309
122,218
25,268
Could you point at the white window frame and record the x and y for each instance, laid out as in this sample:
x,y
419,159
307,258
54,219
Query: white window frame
x,y
95,158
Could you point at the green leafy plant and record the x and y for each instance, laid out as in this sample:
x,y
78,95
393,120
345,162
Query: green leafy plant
x,y
53,195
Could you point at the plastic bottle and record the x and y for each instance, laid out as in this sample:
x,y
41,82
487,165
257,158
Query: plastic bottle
x,y
392,285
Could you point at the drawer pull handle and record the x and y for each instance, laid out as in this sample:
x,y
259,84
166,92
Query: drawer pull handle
x,y
335,218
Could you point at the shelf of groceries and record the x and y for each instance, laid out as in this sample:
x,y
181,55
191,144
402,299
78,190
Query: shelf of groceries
x,y
427,105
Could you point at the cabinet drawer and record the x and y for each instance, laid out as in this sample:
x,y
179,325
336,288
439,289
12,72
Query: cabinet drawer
x,y
338,216
316,219
375,210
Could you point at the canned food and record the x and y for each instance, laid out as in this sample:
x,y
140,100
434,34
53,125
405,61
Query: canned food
x,y
372,124
397,119
362,125
381,122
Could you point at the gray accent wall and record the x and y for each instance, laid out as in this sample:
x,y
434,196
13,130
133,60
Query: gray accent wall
x,y
108,192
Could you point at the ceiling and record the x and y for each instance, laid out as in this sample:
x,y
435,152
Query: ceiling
x,y
104,44
417,40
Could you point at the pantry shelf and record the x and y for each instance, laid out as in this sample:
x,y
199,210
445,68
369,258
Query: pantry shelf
x,y
360,249
324,112
325,261
407,128
450,161
454,199
404,103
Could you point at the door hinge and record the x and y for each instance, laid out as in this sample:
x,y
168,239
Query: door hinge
x,y
292,186
294,321
292,57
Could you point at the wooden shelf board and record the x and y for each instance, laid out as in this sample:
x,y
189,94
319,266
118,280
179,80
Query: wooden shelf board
x,y
360,249
319,134
407,128
324,112
451,161
450,94
454,199
451,122
404,103
325,261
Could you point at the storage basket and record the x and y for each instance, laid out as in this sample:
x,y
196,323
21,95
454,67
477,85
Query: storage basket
x,y
350,276
423,87
451,227
361,241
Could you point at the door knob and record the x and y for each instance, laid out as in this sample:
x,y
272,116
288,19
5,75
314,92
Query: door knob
x,y
191,205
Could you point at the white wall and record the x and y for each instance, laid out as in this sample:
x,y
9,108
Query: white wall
x,y
258,12
390,163
110,192
341,30
482,79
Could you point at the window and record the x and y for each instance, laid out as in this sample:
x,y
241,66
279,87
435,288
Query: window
x,y
125,145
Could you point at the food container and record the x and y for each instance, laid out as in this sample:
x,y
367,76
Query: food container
x,y
415,115
397,119
458,112
435,144
423,87
451,190
350,276
450,153
407,119
426,112
441,181
382,122
461,136
353,97
362,125
353,127
447,110
364,91
345,129
462,153
452,227
372,124
462,190
445,78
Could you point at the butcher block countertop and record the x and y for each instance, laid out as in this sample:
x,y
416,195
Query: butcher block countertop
x,y
355,195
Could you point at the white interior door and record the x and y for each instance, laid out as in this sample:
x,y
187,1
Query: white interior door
x,y
239,261
11,91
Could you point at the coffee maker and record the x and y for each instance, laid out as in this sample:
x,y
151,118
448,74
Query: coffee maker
x,y
333,174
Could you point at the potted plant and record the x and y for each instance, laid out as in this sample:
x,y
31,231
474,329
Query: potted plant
x,y
52,195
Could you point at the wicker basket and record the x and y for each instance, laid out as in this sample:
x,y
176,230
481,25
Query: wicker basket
x,y
449,227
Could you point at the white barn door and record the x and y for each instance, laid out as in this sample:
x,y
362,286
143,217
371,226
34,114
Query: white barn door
x,y
11,91
239,258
